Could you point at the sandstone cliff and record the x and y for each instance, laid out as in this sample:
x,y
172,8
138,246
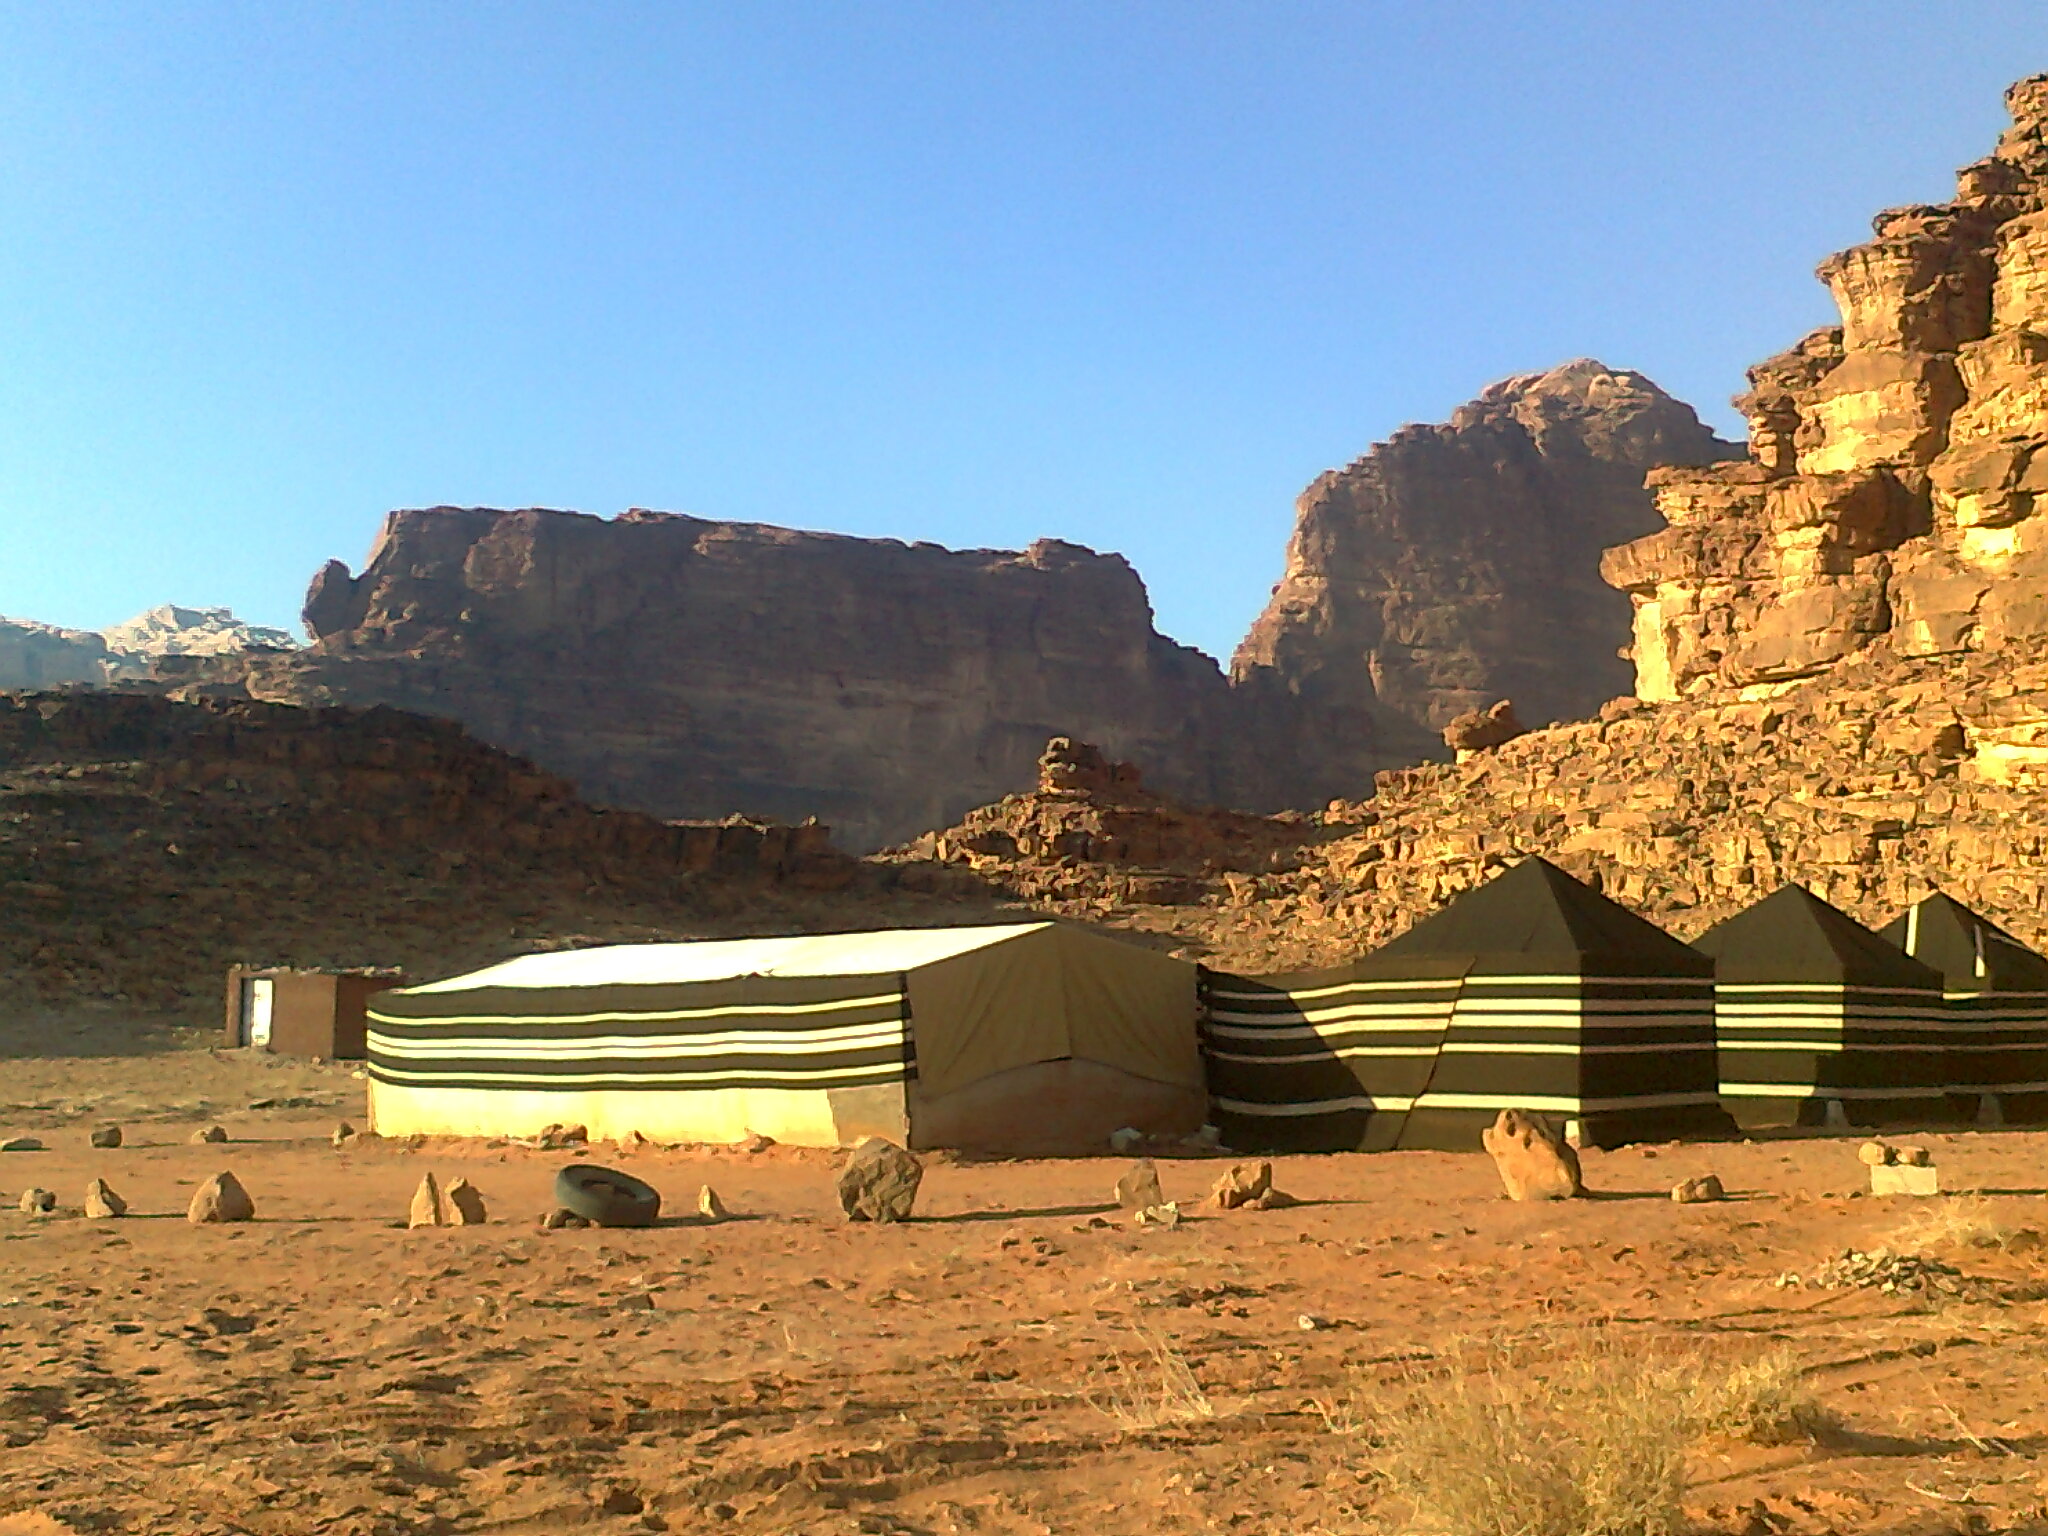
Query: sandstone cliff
x,y
1457,564
1896,462
691,668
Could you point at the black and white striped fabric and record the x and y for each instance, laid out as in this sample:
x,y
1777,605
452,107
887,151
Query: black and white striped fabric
x,y
1817,1013
1322,1060
746,1032
1995,992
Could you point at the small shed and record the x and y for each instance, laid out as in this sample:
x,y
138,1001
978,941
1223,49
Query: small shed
x,y
1021,1039
1996,992
295,1012
1821,1020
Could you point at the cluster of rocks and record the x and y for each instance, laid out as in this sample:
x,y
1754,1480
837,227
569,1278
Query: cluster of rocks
x,y
1880,1270
1896,486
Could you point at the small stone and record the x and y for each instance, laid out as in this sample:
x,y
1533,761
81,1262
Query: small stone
x,y
1915,1157
709,1206
757,1143
1874,1154
1125,1138
1167,1215
1308,1322
209,1135
220,1198
878,1181
426,1204
620,1500
1139,1187
342,1134
34,1202
639,1301
1533,1159
21,1144
106,1137
1272,1200
101,1203
1698,1190
1241,1185
555,1221
462,1205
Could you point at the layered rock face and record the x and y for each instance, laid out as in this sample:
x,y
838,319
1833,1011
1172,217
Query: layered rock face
x,y
34,655
1896,461
1456,564
692,668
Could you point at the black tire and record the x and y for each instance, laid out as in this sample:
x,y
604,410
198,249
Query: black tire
x,y
606,1196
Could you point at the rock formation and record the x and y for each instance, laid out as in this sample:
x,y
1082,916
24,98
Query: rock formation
x,y
693,668
1896,461
1456,564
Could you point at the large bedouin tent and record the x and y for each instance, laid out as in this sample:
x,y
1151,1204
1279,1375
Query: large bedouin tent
x,y
1815,1011
1996,992
1028,1038
1532,992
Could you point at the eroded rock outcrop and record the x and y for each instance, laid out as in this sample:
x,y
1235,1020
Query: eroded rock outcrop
x,y
1896,461
693,668
1455,564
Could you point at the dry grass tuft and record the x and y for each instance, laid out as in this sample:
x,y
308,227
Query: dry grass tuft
x,y
1151,1387
1950,1222
1582,1438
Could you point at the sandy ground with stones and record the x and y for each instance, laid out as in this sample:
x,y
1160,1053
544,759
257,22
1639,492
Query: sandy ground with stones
x,y
998,1365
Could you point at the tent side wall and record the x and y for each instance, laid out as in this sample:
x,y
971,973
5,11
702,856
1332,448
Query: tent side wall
x,y
1326,1061
809,1061
1887,1056
1626,1057
1047,1042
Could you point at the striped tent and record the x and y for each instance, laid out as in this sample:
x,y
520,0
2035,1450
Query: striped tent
x,y
1821,1019
1532,992
1996,993
1028,1038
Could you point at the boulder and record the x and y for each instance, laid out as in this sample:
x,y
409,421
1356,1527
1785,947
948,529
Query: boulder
x,y
21,1144
878,1181
426,1204
1533,1159
220,1198
1698,1190
1241,1184
709,1206
462,1205
1476,730
209,1135
36,1202
101,1203
1139,1187
106,1137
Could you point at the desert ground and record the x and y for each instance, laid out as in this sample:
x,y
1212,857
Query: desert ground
x,y
1017,1359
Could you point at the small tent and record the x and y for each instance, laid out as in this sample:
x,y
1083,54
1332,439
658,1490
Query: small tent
x,y
1025,1039
1533,991
1996,992
1814,1010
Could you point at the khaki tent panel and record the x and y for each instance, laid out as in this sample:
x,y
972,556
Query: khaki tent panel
x,y
1049,994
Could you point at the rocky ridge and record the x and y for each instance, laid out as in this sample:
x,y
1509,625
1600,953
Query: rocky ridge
x,y
1895,492
147,843
1457,563
1886,779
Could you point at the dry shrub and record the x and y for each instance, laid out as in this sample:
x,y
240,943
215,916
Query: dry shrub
x,y
1583,1438
1153,1386
1950,1222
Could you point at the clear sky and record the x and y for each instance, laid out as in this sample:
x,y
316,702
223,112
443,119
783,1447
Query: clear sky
x,y
1128,274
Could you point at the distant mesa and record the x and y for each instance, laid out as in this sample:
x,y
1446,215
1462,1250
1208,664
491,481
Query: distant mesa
x,y
37,655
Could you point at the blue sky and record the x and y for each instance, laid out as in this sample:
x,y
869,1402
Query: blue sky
x,y
1125,274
